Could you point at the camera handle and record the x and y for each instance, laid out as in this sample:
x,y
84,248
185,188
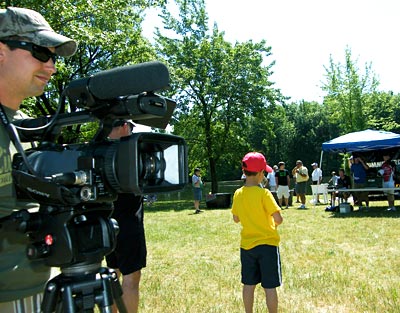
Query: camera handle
x,y
75,290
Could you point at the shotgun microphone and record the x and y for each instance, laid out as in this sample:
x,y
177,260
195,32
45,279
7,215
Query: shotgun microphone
x,y
118,82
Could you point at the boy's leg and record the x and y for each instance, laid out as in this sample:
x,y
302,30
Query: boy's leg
x,y
271,297
248,297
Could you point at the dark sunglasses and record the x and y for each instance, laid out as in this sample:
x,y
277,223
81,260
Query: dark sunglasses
x,y
42,54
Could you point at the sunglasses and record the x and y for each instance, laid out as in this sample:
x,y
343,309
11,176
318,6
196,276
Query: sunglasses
x,y
42,54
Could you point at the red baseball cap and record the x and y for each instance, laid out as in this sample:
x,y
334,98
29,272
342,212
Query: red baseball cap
x,y
255,162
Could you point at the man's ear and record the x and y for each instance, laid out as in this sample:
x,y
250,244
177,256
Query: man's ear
x,y
1,50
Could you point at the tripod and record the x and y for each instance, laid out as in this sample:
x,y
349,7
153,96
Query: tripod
x,y
81,288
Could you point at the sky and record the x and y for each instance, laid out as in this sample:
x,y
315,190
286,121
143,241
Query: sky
x,y
303,34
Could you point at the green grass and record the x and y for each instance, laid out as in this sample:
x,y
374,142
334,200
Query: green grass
x,y
331,262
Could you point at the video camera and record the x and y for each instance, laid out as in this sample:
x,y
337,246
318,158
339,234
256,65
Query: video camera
x,y
75,184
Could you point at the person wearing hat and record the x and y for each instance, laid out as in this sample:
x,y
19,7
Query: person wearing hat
x,y
130,253
333,180
28,51
300,174
257,211
316,176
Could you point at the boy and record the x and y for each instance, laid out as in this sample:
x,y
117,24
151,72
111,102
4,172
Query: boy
x,y
259,215
197,185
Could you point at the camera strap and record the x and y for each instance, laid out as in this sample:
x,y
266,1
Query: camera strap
x,y
14,137
45,187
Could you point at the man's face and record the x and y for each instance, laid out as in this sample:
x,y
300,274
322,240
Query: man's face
x,y
120,131
25,75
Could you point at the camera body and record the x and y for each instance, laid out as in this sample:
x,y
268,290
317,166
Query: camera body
x,y
96,172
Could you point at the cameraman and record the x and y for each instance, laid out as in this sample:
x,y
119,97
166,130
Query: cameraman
x,y
129,256
28,49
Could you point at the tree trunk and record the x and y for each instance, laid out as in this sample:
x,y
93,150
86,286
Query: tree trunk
x,y
214,178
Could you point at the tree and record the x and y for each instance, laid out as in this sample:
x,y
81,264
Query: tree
x,y
311,125
218,86
346,93
383,111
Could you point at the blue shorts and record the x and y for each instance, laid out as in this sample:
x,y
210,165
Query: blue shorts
x,y
197,193
388,184
261,264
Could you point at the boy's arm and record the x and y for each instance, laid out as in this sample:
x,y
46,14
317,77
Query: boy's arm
x,y
235,218
278,219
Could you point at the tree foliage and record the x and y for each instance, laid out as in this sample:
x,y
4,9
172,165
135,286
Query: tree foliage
x,y
347,90
219,85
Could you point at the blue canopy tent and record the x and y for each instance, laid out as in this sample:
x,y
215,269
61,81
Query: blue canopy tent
x,y
370,143
366,140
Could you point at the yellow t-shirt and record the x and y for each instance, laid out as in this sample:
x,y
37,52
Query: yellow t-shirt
x,y
254,206
303,170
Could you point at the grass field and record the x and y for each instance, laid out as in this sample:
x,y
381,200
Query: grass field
x,y
331,262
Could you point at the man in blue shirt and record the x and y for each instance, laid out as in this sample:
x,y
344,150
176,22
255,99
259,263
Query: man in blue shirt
x,y
358,169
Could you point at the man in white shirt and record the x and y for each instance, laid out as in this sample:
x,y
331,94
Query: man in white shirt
x,y
316,176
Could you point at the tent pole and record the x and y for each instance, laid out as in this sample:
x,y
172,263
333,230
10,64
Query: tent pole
x,y
320,160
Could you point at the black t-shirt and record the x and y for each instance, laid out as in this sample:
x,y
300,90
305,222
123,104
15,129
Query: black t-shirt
x,y
128,208
282,177
344,182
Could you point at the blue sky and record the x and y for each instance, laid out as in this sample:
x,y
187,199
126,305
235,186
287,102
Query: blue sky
x,y
304,33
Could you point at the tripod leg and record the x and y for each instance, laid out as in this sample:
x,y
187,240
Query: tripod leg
x,y
112,290
50,297
68,300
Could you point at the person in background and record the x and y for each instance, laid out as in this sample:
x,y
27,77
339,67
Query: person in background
x,y
28,51
271,179
243,178
358,169
343,182
282,182
387,171
197,185
316,176
257,211
130,253
264,182
300,173
333,180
